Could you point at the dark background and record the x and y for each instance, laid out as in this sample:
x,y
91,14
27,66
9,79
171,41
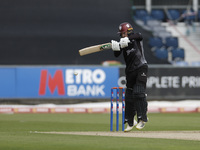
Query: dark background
x,y
52,31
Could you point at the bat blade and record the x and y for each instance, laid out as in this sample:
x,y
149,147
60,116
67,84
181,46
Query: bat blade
x,y
94,49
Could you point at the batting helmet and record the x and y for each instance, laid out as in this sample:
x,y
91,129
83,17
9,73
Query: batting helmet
x,y
125,27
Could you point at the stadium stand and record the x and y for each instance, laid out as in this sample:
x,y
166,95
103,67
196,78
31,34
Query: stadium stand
x,y
171,42
188,15
163,35
158,28
156,42
180,63
158,14
195,63
140,13
178,54
198,15
152,23
161,53
174,14
162,42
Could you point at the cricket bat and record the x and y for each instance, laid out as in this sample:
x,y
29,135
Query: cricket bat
x,y
94,49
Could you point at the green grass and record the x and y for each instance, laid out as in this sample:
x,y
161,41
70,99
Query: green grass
x,y
15,132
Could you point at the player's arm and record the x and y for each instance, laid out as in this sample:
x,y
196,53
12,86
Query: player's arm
x,y
132,37
117,53
136,37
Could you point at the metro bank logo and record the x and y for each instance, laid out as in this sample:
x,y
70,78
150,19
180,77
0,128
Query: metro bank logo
x,y
57,81
63,82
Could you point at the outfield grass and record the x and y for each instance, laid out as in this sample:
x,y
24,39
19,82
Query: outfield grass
x,y
15,132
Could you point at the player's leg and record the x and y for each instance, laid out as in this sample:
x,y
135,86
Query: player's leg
x,y
139,95
130,110
140,102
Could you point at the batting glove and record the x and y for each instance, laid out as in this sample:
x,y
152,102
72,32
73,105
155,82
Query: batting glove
x,y
115,45
124,42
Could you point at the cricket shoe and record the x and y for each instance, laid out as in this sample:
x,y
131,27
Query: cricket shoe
x,y
129,128
140,125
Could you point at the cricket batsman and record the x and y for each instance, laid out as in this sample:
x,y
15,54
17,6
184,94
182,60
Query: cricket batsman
x,y
131,45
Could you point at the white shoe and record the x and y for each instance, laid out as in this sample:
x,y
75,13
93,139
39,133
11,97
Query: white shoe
x,y
140,125
135,123
129,128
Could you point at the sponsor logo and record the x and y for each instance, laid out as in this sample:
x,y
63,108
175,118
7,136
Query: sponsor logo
x,y
88,82
46,80
105,46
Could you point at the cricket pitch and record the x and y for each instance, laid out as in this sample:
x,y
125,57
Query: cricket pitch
x,y
180,135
